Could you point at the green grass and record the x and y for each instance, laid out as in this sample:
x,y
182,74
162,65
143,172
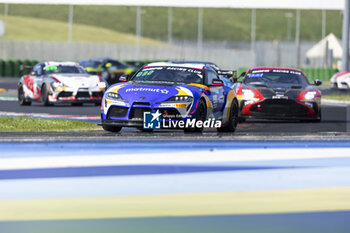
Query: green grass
x,y
37,124
219,24
24,28
336,97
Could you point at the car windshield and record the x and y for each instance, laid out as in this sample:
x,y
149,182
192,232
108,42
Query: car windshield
x,y
114,63
117,67
91,64
64,69
275,77
169,74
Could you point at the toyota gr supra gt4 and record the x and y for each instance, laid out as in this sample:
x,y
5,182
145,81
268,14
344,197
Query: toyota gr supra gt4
x,y
341,80
278,93
228,76
54,82
181,94
108,69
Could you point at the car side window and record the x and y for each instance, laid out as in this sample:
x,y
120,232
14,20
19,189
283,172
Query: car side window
x,y
211,76
37,69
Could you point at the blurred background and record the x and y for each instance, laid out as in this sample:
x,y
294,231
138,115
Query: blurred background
x,y
232,38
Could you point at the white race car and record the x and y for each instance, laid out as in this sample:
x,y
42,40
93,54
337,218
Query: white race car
x,y
341,80
53,82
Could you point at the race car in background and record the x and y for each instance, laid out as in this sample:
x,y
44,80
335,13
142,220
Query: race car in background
x,y
341,80
177,92
108,69
53,82
278,93
228,76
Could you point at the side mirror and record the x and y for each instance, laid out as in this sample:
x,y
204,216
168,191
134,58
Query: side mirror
x,y
217,82
317,82
123,78
34,73
234,80
242,74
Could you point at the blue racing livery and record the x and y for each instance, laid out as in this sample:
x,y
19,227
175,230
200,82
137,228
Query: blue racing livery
x,y
178,92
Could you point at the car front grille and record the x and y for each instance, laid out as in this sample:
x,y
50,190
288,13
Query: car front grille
x,y
117,112
83,95
65,94
138,112
170,113
142,103
97,94
280,107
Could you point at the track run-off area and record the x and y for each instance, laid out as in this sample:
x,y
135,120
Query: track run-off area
x,y
175,186
269,176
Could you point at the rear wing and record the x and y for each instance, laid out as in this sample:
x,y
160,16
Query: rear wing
x,y
23,67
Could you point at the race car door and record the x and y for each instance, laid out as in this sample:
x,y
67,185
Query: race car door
x,y
217,95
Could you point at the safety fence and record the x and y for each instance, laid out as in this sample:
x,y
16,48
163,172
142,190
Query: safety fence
x,y
76,51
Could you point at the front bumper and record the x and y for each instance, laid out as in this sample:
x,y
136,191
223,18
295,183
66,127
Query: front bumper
x,y
132,116
77,97
126,123
282,109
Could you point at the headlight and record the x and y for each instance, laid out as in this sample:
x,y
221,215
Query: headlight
x,y
248,94
57,86
180,99
101,85
310,95
113,96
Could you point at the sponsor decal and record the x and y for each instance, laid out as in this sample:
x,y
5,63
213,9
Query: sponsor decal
x,y
256,75
259,71
50,68
281,71
136,89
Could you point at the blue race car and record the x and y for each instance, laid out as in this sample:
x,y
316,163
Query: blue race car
x,y
166,95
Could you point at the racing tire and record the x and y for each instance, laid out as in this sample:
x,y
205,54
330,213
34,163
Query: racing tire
x,y
201,115
110,128
22,100
316,120
241,119
334,86
145,130
45,96
77,104
233,121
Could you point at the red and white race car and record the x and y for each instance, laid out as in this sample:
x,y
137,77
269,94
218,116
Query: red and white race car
x,y
53,82
341,80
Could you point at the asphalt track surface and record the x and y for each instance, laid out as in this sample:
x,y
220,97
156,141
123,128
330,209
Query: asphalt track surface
x,y
269,176
335,121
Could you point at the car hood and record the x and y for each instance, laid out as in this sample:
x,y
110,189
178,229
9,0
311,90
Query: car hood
x,y
73,80
132,92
